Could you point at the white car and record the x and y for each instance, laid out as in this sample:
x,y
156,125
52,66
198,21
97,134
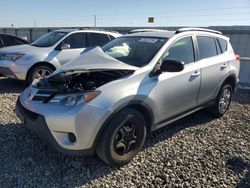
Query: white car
x,y
51,51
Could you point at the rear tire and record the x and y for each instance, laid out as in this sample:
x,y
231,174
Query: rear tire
x,y
38,71
122,138
223,101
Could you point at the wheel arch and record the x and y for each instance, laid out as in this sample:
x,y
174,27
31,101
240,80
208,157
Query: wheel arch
x,y
38,64
145,111
231,80
139,106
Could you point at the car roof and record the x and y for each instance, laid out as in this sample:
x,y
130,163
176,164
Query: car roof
x,y
169,34
160,34
86,30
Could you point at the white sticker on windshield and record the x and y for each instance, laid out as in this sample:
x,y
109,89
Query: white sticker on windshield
x,y
148,40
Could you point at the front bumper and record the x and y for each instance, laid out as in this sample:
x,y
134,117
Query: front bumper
x,y
13,69
7,72
37,124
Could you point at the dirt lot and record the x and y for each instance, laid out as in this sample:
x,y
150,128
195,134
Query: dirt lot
x,y
197,151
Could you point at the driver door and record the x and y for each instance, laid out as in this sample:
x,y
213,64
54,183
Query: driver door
x,y
76,44
178,92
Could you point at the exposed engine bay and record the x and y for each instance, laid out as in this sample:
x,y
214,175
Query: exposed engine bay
x,y
70,82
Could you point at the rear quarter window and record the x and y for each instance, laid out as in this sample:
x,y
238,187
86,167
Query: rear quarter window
x,y
223,44
218,47
111,37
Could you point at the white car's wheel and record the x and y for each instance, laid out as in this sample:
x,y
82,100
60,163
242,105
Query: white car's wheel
x,y
38,72
223,101
122,138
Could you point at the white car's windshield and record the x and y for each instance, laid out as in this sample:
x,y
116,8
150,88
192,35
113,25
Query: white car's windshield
x,y
136,51
49,39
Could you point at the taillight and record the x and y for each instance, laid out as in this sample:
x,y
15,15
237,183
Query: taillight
x,y
237,57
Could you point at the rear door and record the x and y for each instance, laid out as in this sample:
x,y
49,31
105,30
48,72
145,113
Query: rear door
x,y
177,92
77,43
214,66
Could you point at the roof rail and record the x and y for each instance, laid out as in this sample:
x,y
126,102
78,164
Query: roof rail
x,y
97,29
144,30
197,29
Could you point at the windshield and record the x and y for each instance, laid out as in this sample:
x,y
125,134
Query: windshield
x,y
136,51
49,39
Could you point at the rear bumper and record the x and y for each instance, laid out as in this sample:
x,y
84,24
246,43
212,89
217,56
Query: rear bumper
x,y
236,85
37,124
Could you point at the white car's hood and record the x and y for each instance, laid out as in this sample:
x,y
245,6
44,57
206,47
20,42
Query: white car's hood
x,y
94,60
21,49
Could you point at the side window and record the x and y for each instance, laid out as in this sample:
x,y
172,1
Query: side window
x,y
181,50
207,47
98,39
218,47
76,40
1,45
223,44
11,41
111,37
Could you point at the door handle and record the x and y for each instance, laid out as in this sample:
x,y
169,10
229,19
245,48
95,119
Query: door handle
x,y
196,73
224,65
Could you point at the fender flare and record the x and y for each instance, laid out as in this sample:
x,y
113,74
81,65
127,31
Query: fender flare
x,y
135,104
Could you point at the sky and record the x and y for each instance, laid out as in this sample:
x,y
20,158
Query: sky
x,y
110,13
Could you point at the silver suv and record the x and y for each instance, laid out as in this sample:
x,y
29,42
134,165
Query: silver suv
x,y
108,99
49,52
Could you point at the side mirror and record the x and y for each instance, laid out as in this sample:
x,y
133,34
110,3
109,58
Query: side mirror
x,y
65,46
171,65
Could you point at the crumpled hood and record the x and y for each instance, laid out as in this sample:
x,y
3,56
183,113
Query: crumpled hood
x,y
94,60
20,48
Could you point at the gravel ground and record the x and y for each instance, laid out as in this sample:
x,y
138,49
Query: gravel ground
x,y
197,151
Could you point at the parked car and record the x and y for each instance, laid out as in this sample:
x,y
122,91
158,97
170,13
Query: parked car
x,y
10,40
98,103
49,52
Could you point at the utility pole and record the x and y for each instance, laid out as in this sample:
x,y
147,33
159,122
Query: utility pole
x,y
94,20
34,22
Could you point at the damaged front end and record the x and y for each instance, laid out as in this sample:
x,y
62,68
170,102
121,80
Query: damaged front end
x,y
78,80
74,87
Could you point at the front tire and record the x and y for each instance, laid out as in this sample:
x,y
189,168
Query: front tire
x,y
122,138
223,101
38,72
